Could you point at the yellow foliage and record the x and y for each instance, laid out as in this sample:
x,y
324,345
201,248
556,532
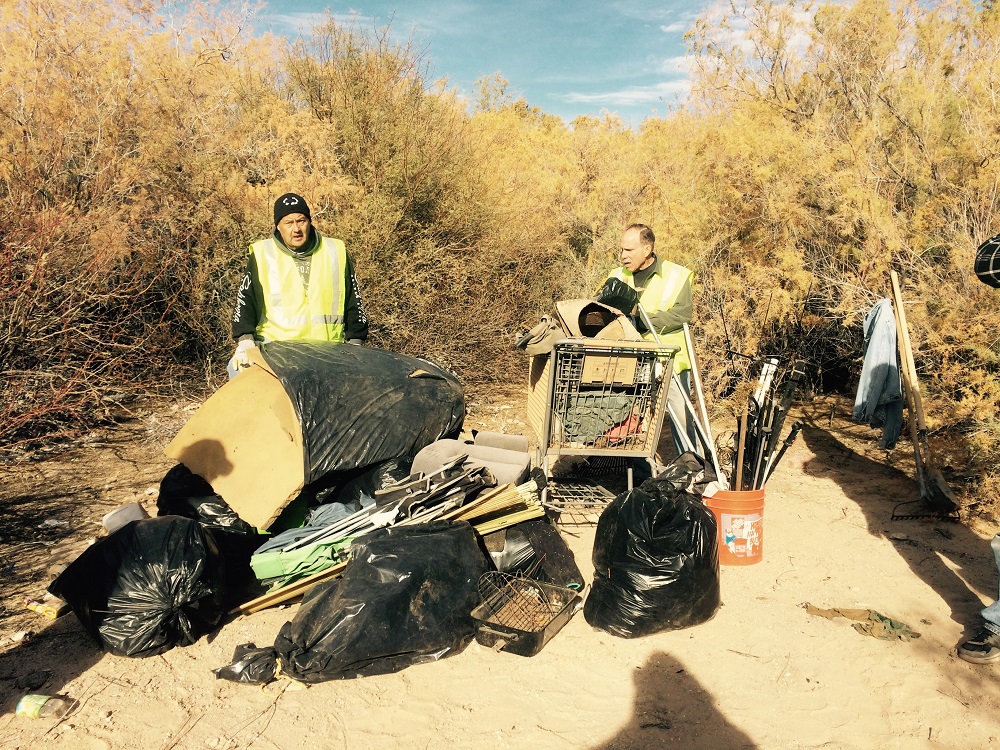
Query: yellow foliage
x,y
143,144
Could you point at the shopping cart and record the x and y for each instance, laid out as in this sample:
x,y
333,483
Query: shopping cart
x,y
601,398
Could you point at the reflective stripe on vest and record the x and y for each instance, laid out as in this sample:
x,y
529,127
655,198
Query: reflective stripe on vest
x,y
291,312
661,293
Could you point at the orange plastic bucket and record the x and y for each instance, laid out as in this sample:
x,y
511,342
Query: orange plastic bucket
x,y
740,516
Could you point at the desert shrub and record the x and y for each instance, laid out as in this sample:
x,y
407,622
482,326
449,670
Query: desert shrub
x,y
822,146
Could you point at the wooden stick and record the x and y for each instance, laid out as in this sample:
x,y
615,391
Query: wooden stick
x,y
931,466
904,372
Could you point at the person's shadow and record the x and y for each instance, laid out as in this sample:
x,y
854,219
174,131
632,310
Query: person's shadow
x,y
945,555
673,710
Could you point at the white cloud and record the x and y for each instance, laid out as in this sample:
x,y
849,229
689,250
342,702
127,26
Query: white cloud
x,y
301,23
630,96
679,65
674,28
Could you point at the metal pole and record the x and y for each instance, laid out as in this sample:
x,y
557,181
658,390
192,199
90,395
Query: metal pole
x,y
706,439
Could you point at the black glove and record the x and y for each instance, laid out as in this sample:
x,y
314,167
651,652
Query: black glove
x,y
619,295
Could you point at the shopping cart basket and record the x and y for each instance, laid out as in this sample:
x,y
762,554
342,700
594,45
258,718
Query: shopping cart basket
x,y
602,398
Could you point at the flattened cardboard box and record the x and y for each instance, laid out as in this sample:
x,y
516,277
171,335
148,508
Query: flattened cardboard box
x,y
246,441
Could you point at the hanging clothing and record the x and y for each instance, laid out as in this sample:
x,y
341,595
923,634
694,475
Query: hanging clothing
x,y
879,400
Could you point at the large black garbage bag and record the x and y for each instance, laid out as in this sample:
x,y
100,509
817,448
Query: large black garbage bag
x,y
184,493
359,406
152,585
656,563
405,598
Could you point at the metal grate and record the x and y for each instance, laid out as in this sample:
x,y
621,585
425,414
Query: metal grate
x,y
518,603
576,502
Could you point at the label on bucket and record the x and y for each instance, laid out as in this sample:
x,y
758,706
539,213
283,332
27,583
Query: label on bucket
x,y
741,533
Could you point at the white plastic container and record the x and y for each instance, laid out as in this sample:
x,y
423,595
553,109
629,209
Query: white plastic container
x,y
123,515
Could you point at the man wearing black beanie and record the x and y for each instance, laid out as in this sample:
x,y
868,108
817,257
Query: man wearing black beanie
x,y
298,286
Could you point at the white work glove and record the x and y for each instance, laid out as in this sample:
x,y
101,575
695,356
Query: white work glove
x,y
242,356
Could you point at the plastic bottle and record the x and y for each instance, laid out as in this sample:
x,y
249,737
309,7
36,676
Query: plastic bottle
x,y
43,706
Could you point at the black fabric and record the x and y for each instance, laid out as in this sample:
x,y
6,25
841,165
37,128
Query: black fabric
x,y
405,598
656,563
988,262
360,406
152,585
290,203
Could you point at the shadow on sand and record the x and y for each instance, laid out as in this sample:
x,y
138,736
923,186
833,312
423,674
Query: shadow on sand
x,y
945,555
673,710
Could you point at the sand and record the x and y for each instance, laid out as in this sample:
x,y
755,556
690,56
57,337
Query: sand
x,y
763,673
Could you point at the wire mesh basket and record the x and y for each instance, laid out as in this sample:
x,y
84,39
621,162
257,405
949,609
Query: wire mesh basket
x,y
520,614
603,398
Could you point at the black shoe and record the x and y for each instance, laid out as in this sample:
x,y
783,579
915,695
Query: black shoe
x,y
983,649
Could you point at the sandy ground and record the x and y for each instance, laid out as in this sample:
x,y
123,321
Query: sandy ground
x,y
762,674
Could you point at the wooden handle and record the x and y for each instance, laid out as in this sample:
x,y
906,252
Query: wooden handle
x,y
906,349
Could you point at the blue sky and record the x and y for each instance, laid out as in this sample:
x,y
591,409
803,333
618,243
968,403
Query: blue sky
x,y
568,57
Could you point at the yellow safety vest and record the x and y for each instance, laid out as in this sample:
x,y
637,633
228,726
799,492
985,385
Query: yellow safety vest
x,y
292,313
661,293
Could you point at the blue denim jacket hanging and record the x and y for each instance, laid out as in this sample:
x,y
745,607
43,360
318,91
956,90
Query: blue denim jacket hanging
x,y
880,396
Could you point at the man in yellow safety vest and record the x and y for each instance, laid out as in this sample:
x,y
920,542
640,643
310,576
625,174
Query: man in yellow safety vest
x,y
298,286
664,290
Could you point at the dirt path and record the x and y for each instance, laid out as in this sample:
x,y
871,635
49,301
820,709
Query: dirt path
x,y
763,673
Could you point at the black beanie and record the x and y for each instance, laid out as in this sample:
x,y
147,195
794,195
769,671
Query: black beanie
x,y
290,203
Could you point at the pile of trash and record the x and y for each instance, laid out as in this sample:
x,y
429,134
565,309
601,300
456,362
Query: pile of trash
x,y
405,553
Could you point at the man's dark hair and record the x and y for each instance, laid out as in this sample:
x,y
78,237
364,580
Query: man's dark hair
x,y
646,236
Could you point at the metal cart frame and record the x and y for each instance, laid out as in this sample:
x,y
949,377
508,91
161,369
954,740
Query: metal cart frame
x,y
604,398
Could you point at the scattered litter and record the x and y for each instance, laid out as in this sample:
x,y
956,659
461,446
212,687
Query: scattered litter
x,y
44,706
868,622
53,522
49,606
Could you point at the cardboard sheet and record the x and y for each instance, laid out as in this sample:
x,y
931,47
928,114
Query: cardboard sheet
x,y
246,441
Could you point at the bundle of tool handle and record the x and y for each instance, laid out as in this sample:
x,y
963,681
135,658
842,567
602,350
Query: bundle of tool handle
x,y
759,447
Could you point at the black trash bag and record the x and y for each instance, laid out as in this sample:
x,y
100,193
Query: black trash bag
x,y
656,564
256,666
619,295
184,493
535,549
405,598
689,472
152,585
374,478
359,406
